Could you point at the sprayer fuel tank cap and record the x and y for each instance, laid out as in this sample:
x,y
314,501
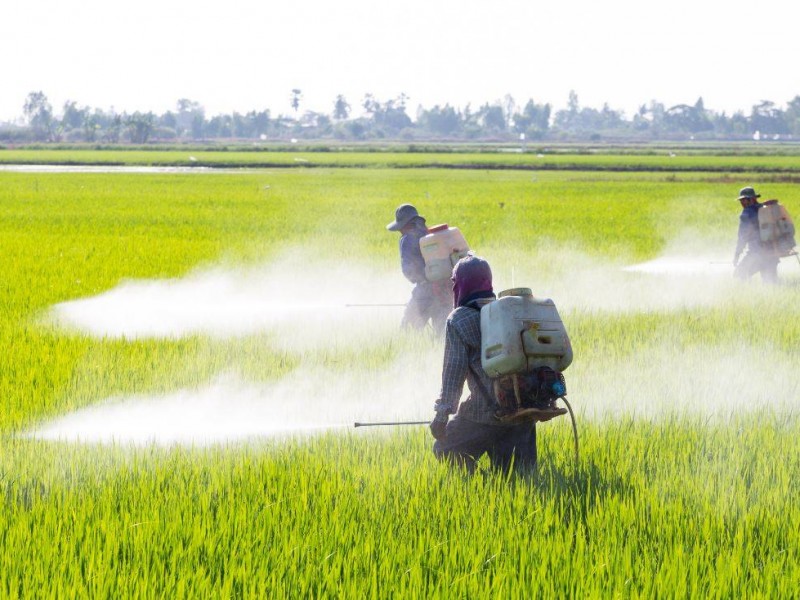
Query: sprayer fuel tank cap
x,y
516,292
435,228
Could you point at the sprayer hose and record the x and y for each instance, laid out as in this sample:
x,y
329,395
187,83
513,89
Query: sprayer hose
x,y
574,428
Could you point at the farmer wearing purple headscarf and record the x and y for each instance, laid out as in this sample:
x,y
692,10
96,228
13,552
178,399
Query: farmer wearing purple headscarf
x,y
475,430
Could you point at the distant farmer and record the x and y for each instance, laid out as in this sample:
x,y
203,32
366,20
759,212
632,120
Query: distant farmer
x,y
474,430
757,258
429,301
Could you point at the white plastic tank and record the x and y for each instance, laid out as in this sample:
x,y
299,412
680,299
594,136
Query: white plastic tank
x,y
520,333
441,249
776,228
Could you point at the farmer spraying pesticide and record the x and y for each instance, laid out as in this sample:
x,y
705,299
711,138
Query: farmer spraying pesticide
x,y
766,232
496,419
426,258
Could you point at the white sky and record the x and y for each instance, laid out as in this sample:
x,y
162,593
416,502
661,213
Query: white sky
x,y
248,54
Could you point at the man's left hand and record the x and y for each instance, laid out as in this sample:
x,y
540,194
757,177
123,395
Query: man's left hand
x,y
439,426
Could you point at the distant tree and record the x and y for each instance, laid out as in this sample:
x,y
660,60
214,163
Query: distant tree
x,y
640,122
140,126
169,120
314,124
768,119
388,117
533,121
39,115
212,128
240,126
610,119
509,108
444,121
370,105
688,118
492,118
72,116
220,126
567,119
721,124
740,124
186,120
113,129
657,112
472,126
198,126
356,129
297,95
90,126
395,117
261,122
792,115
572,102
341,109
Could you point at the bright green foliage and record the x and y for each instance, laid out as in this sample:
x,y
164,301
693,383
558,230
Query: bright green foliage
x,y
654,509
659,506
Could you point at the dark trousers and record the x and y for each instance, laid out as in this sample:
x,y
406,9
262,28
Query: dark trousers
x,y
506,445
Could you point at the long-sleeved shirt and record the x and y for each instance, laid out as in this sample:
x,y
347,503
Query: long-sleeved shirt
x,y
462,362
749,236
411,260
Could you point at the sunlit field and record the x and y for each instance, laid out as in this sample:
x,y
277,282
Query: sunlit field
x,y
183,360
783,159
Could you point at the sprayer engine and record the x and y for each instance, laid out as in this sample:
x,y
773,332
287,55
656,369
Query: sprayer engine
x,y
538,389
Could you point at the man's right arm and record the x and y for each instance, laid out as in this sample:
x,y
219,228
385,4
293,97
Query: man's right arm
x,y
747,230
454,371
411,261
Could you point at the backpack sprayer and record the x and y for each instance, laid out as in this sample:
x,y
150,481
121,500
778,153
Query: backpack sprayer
x,y
776,230
441,249
524,349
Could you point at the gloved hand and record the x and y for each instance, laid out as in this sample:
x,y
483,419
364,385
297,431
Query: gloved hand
x,y
438,426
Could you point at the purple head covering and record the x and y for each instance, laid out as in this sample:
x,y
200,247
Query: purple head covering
x,y
471,275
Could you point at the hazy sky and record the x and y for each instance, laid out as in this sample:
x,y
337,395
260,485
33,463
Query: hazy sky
x,y
248,55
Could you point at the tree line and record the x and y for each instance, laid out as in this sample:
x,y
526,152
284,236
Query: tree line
x,y
501,121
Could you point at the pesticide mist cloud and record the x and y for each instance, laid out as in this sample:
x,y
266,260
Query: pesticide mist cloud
x,y
690,273
289,297
295,296
302,304
229,409
707,380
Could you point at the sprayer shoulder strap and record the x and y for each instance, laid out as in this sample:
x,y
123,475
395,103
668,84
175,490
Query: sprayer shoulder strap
x,y
484,391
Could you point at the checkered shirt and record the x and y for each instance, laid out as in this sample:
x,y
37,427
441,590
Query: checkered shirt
x,y
462,362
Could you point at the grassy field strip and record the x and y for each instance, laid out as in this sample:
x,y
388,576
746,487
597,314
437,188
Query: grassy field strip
x,y
327,518
666,160
685,385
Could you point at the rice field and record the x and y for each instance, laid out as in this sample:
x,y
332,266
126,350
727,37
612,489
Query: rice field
x,y
782,160
685,384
